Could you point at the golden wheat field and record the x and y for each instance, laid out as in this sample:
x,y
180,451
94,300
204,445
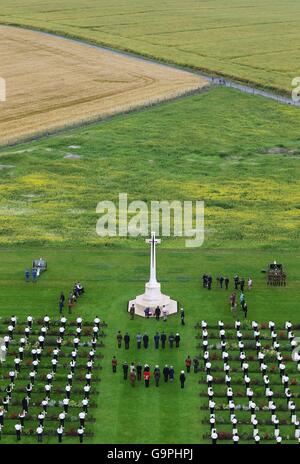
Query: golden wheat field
x,y
54,82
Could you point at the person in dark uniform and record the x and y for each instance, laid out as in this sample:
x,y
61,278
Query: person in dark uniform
x,y
146,340
157,375
119,339
163,339
126,340
27,275
226,283
209,282
61,302
245,309
182,316
204,280
242,284
182,379
236,281
156,340
25,404
139,368
171,339
132,311
139,339
221,280
177,340
125,370
157,313
114,364
166,373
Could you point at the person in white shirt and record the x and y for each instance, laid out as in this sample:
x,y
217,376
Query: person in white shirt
x,y
80,433
235,437
81,416
66,402
62,417
18,429
214,436
39,432
60,432
29,321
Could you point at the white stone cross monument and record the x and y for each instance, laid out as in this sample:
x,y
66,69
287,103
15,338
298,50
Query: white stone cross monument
x,y
153,296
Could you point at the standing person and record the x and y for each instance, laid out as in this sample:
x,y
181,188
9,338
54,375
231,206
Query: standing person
x,y
242,284
177,340
132,311
61,302
70,303
221,280
39,432
126,340
60,431
139,368
119,338
139,339
245,309
132,377
242,299
182,316
80,432
226,283
166,373
171,339
250,283
157,313
209,282
147,378
182,379
125,370
171,374
27,275
157,375
188,363
114,364
164,313
156,340
146,340
236,281
163,339
232,300
34,274
18,429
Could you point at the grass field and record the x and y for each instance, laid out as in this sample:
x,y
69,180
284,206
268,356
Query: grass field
x,y
53,83
254,41
238,153
111,278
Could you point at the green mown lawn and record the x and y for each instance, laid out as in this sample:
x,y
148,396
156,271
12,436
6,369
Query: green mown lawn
x,y
136,415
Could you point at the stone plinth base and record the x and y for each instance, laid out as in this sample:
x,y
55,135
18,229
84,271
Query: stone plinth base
x,y
142,302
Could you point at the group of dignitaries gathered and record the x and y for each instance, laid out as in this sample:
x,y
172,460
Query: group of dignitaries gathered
x,y
135,372
263,368
37,353
160,340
